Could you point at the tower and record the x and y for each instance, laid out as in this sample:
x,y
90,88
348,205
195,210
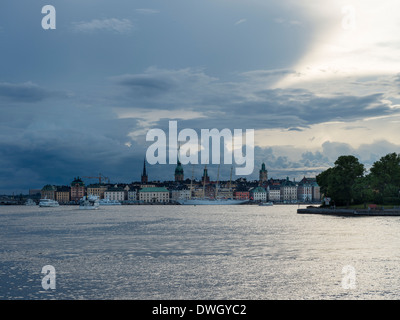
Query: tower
x,y
205,178
179,172
144,177
263,175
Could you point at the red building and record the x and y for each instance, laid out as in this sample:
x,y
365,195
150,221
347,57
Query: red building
x,y
77,189
242,195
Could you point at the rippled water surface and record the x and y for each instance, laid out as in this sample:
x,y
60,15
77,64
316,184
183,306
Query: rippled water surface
x,y
196,252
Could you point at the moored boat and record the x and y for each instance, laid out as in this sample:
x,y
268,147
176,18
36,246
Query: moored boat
x,y
265,204
48,203
89,202
108,202
30,202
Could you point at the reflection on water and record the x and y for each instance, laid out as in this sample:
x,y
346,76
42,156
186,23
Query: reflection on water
x,y
200,252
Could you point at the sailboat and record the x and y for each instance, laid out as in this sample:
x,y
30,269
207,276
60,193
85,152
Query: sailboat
x,y
211,201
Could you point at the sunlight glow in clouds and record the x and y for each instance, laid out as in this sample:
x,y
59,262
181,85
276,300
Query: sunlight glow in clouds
x,y
367,131
372,47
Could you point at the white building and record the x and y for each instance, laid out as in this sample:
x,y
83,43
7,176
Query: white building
x,y
115,193
274,193
258,194
180,194
155,194
288,191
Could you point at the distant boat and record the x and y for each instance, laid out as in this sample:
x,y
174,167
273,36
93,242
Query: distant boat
x,y
108,202
30,202
89,203
48,203
265,204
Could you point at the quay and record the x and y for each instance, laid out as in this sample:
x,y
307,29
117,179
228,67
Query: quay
x,y
350,212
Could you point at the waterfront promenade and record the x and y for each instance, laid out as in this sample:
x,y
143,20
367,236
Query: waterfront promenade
x,y
350,212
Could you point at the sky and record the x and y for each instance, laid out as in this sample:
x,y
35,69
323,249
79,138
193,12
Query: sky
x,y
314,79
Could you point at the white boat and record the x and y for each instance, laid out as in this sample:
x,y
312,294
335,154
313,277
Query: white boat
x,y
30,202
108,202
89,203
265,204
213,202
48,203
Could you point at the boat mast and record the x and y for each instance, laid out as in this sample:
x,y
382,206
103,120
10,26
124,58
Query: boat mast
x,y
191,182
217,185
230,182
204,182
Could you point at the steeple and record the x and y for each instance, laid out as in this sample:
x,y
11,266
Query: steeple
x,y
263,175
205,178
144,177
178,169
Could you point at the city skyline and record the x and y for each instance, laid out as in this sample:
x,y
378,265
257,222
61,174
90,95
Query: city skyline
x,y
314,82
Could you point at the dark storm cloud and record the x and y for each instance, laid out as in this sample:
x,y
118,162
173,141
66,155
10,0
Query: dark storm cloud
x,y
53,159
145,85
25,92
235,103
28,92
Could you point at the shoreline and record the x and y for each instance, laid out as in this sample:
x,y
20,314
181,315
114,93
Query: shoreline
x,y
351,212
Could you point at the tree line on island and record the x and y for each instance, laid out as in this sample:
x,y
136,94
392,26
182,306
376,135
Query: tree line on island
x,y
349,183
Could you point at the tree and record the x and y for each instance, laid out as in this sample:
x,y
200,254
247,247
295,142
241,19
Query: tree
x,y
324,181
362,191
385,178
338,182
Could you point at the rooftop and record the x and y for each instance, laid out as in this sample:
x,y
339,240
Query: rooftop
x,y
154,189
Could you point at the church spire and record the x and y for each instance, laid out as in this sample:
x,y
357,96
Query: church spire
x,y
144,177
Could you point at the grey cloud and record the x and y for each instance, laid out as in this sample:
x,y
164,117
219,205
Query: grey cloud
x,y
110,24
242,101
147,11
23,92
145,85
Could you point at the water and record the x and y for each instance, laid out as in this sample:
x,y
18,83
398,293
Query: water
x,y
196,252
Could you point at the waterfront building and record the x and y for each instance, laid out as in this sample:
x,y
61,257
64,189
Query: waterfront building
x,y
115,193
198,192
225,192
309,190
180,194
288,191
77,189
258,194
316,191
96,190
48,192
304,190
274,193
155,195
63,194
144,178
242,195
132,195
263,178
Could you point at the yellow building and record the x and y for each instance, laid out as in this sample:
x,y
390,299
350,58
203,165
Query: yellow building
x,y
96,190
63,195
48,192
